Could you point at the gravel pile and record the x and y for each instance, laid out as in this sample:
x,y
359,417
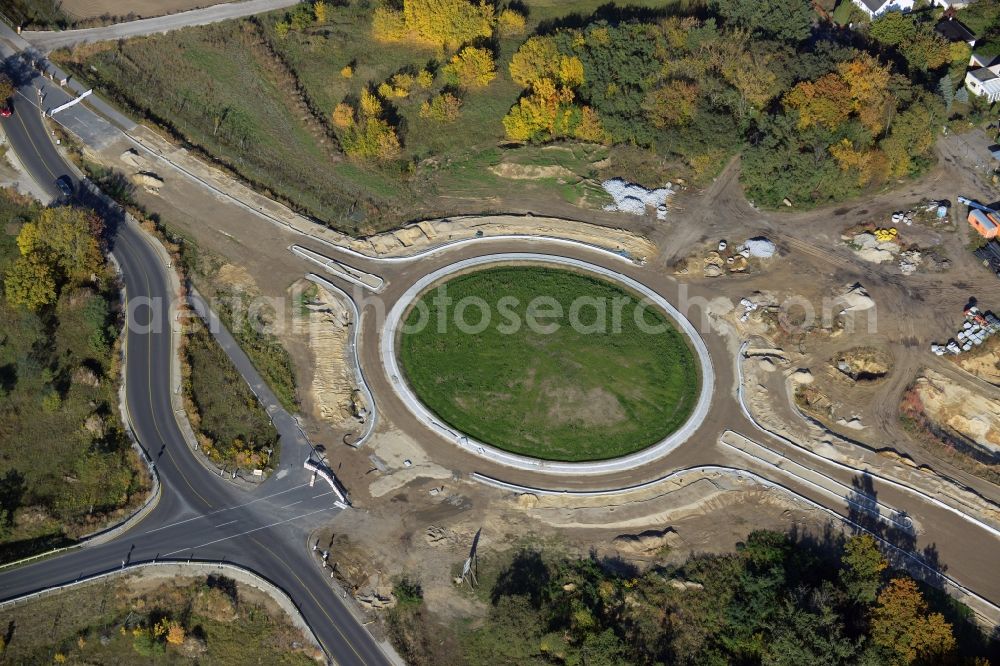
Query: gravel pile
x,y
635,199
761,248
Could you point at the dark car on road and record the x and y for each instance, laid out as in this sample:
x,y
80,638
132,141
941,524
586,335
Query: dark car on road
x,y
65,185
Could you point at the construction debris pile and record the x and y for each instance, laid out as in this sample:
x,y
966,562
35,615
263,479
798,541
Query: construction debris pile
x,y
727,258
856,299
909,261
899,217
748,307
878,246
977,327
636,199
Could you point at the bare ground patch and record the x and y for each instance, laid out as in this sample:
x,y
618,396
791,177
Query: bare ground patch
x,y
571,404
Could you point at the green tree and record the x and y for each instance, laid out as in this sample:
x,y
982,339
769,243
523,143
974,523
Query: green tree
x,y
808,630
861,567
787,20
620,65
893,28
511,635
6,88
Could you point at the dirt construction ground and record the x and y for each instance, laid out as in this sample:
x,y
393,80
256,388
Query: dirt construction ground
x,y
417,508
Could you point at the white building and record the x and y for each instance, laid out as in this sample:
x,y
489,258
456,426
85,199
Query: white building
x,y
875,8
984,81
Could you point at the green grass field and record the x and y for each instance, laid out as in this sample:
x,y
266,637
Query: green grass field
x,y
574,394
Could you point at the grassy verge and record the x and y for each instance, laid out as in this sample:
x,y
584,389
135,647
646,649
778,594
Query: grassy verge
x,y
186,620
249,320
250,328
66,467
599,386
233,428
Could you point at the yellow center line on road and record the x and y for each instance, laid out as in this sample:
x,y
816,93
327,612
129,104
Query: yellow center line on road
x,y
317,601
149,375
34,145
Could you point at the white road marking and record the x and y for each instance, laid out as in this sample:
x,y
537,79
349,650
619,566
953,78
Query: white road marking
x,y
228,508
224,524
292,504
329,492
256,529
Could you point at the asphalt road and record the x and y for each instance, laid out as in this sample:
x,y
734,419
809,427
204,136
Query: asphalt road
x,y
49,40
198,516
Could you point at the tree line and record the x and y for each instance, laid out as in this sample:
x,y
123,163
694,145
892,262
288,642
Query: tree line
x,y
819,112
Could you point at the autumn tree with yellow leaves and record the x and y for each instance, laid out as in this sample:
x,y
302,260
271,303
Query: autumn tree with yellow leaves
x,y
902,625
59,247
368,135
472,67
443,23
549,110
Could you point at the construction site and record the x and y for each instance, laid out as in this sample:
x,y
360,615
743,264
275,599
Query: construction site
x,y
841,328
847,356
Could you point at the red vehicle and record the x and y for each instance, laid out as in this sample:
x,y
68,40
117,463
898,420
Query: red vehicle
x,y
5,111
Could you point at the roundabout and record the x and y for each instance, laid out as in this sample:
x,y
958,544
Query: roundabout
x,y
672,396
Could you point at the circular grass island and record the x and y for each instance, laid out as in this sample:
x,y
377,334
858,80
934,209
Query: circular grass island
x,y
548,363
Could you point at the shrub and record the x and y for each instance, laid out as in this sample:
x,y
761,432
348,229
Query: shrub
x,y
319,11
510,23
343,115
425,79
347,71
408,592
370,104
471,67
443,108
370,136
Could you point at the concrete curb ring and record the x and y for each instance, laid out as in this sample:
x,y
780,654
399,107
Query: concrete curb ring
x,y
390,362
